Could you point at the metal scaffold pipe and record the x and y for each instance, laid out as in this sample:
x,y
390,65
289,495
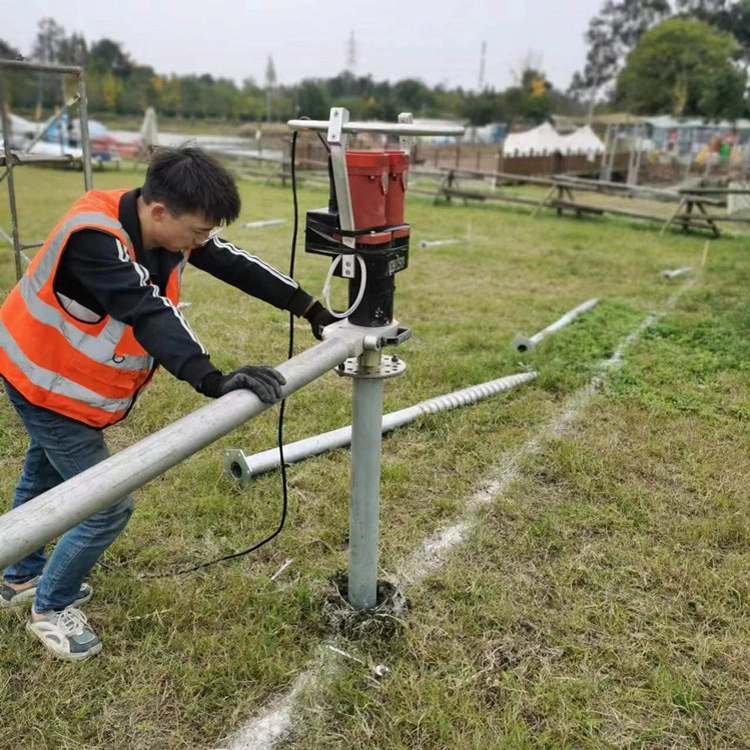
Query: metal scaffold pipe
x,y
243,467
404,129
49,515
24,65
523,344
673,274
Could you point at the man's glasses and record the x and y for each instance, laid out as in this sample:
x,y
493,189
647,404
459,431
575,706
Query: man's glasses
x,y
201,236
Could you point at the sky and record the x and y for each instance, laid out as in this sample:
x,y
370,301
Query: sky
x,y
439,42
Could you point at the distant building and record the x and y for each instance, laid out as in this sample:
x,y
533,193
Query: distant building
x,y
688,136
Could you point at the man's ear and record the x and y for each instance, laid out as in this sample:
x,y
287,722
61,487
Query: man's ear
x,y
159,212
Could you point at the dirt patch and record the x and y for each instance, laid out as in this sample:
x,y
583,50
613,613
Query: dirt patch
x,y
384,621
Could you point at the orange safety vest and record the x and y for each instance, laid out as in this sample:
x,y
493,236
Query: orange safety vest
x,y
90,372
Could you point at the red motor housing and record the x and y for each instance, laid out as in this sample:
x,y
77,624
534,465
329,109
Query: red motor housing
x,y
398,166
368,186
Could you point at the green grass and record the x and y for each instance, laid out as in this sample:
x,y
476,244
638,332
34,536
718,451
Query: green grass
x,y
601,601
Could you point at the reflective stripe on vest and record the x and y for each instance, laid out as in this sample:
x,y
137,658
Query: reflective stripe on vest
x,y
99,348
54,381
87,371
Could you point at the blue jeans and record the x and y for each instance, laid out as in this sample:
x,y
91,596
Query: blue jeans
x,y
59,449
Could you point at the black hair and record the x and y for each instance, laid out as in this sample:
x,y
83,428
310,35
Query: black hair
x,y
187,180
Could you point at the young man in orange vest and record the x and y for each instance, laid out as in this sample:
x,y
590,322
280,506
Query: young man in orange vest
x,y
83,332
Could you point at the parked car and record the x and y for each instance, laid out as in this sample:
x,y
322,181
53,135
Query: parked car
x,y
104,148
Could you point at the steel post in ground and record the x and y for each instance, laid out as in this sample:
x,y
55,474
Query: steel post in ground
x,y
364,509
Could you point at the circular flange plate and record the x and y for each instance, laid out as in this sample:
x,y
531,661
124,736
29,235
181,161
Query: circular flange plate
x,y
390,367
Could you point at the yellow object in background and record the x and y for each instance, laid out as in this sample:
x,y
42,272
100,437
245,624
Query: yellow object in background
x,y
703,155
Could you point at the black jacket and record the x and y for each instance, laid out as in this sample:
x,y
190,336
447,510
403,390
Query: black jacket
x,y
100,279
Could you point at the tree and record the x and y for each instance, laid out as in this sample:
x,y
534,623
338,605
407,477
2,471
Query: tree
x,y
480,109
73,50
107,56
116,83
611,35
447,101
313,100
344,84
727,15
19,88
7,52
143,89
411,95
683,66
49,43
722,94
112,89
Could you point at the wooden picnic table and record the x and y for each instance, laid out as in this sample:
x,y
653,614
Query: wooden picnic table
x,y
702,219
690,213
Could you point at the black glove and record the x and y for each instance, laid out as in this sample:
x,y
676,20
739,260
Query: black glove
x,y
264,382
319,318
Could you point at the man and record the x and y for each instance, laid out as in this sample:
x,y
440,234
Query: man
x,y
83,332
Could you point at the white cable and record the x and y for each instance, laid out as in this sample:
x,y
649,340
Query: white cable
x,y
327,287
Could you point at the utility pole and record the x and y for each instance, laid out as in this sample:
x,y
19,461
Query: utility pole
x,y
270,83
481,66
351,53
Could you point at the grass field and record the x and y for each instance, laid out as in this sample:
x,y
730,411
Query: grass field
x,y
600,599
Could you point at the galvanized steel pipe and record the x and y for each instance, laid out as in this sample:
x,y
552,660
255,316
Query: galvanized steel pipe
x,y
438,243
667,274
42,519
523,344
263,223
364,508
243,467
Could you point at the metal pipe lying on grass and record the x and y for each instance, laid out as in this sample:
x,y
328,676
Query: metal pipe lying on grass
x,y
438,243
243,467
667,274
264,223
523,344
38,521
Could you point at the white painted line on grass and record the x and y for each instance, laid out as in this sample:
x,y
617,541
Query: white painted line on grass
x,y
438,546
276,720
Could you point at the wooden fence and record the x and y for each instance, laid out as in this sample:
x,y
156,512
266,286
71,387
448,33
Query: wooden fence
x,y
485,158
311,154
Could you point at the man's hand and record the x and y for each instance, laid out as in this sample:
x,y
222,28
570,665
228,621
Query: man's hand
x,y
319,318
264,382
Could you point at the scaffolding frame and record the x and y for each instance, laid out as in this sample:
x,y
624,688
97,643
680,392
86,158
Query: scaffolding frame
x,y
11,159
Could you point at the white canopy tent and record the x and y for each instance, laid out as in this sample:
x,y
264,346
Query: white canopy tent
x,y
540,141
582,141
545,140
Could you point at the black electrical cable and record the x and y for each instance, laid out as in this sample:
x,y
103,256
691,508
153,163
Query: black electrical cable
x,y
322,140
282,408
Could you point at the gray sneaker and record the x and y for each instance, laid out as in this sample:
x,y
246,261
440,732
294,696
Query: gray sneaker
x,y
66,634
24,593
